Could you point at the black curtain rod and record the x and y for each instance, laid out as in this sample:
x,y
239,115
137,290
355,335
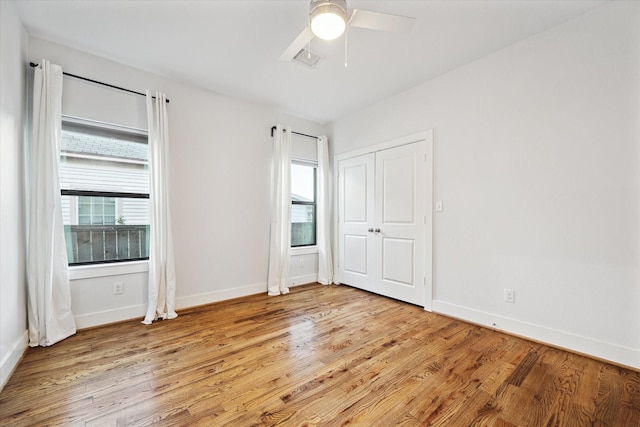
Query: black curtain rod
x,y
273,128
33,65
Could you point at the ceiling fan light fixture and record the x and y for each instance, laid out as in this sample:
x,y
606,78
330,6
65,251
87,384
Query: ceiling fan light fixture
x,y
328,18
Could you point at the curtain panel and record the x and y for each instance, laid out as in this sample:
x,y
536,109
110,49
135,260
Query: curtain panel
x,y
280,239
48,288
162,278
323,239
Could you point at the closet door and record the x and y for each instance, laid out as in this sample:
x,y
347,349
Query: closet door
x,y
400,216
384,224
356,222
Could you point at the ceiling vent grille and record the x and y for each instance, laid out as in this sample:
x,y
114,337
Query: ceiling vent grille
x,y
307,60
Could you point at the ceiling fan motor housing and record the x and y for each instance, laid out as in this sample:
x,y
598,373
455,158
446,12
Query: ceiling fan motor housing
x,y
323,8
328,6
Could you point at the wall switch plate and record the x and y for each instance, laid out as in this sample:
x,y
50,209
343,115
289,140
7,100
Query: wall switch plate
x,y
118,288
509,295
438,205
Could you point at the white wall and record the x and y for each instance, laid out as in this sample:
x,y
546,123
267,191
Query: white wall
x,y
13,309
537,163
220,151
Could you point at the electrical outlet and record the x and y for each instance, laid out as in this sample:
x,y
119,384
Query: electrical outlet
x,y
509,295
118,288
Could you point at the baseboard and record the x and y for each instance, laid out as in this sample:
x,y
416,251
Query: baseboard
x,y
302,280
100,318
619,355
222,295
14,355
90,320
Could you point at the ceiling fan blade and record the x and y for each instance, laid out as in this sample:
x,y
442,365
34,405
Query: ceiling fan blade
x,y
300,42
381,21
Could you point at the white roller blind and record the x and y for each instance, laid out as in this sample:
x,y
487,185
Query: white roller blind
x,y
304,148
103,104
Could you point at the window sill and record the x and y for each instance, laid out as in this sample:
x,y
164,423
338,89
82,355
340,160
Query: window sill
x,y
304,250
101,270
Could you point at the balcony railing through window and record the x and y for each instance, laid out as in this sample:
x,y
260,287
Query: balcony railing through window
x,y
90,244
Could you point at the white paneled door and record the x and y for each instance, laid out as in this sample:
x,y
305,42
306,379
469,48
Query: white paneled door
x,y
356,221
383,222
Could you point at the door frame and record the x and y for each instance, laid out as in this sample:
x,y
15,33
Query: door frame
x,y
427,137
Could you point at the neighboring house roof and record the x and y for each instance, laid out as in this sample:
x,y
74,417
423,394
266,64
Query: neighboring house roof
x,y
299,198
94,145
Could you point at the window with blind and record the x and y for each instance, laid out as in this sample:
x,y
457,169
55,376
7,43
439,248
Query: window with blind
x,y
303,204
104,181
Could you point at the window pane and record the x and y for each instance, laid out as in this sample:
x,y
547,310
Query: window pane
x,y
95,159
303,183
96,210
110,211
124,239
303,225
303,207
97,228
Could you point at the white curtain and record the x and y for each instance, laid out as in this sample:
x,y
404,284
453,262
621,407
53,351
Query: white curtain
x,y
162,278
49,293
323,215
280,245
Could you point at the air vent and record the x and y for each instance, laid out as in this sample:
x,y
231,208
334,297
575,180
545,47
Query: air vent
x,y
307,60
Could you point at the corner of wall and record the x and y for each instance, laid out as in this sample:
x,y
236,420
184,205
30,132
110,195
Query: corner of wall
x,y
13,357
13,86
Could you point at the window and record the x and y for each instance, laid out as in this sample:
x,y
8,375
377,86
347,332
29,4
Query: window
x,y
303,204
96,210
104,181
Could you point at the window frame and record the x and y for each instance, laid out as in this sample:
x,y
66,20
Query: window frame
x,y
313,165
107,128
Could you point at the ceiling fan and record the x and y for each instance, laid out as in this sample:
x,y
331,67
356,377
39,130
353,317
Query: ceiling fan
x,y
328,19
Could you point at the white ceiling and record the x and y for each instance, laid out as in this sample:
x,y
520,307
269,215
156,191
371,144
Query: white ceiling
x,y
232,47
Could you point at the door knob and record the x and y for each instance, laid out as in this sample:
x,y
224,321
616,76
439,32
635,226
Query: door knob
x,y
377,230
370,230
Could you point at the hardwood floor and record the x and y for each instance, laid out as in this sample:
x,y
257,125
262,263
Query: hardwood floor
x,y
317,356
